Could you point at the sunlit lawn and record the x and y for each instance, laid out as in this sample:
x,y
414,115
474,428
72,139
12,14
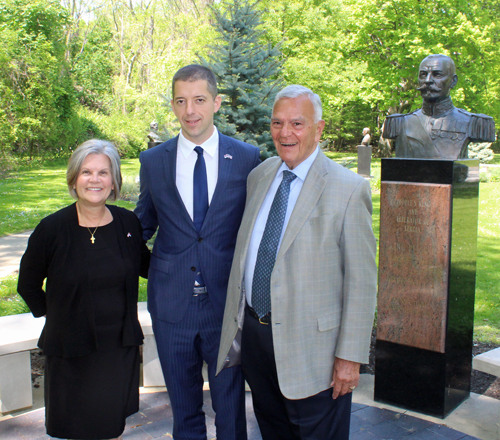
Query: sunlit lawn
x,y
29,195
487,308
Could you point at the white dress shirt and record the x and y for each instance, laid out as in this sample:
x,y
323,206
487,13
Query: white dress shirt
x,y
186,160
301,172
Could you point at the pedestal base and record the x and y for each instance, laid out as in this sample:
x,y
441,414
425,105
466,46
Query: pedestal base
x,y
364,160
428,235
153,144
421,380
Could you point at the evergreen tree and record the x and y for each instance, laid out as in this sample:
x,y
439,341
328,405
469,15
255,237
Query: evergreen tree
x,y
248,73
481,151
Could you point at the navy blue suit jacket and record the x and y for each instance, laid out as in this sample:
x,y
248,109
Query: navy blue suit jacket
x,y
179,250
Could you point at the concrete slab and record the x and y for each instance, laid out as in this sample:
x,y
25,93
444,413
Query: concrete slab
x,y
18,335
15,382
19,332
488,362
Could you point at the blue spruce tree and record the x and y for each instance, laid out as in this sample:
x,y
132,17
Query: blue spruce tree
x,y
248,73
481,151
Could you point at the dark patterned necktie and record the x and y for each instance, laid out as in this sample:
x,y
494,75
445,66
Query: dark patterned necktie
x,y
268,248
200,198
200,190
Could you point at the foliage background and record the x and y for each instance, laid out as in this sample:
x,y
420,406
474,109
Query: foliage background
x,y
78,69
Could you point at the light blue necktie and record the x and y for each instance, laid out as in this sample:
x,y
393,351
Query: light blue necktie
x,y
268,248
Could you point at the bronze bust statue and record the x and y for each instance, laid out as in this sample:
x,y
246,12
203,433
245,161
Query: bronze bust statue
x,y
438,130
153,135
366,137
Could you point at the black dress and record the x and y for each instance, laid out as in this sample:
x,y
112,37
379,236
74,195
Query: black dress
x,y
89,397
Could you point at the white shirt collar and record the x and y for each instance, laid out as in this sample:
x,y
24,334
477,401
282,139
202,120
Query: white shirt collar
x,y
210,146
302,169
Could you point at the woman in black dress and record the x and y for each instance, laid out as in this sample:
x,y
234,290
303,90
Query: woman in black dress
x,y
91,255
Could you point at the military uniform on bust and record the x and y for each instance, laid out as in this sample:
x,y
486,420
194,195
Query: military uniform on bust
x,y
438,131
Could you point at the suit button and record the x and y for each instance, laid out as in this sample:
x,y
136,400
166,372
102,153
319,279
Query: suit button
x,y
193,269
200,240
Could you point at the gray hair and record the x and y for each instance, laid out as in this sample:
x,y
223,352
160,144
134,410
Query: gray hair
x,y
94,146
294,91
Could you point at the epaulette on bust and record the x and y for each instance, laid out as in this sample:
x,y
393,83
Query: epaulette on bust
x,y
477,115
393,125
481,127
464,112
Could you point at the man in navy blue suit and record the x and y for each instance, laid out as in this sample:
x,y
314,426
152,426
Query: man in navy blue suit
x,y
195,198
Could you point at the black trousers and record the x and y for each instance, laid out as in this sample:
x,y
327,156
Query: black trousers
x,y
317,417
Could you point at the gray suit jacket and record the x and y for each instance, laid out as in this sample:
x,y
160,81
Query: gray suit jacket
x,y
323,286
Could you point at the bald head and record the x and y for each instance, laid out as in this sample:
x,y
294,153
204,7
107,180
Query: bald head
x,y
444,59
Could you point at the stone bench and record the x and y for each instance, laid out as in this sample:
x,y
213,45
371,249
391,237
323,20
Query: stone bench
x,y
19,334
488,362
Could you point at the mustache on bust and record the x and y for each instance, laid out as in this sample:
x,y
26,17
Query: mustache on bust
x,y
426,88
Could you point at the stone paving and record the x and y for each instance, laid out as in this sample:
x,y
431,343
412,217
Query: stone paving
x,y
12,248
154,421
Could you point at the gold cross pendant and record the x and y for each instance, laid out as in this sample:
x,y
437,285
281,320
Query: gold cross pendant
x,y
92,239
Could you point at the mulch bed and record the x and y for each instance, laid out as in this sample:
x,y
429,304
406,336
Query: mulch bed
x,y
481,383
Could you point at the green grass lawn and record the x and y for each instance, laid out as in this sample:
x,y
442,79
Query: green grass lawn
x,y
487,306
10,302
28,195
495,160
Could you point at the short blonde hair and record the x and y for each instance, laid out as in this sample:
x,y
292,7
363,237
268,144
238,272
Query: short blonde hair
x,y
94,146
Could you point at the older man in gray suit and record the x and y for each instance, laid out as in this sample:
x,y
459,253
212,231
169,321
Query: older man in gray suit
x,y
302,289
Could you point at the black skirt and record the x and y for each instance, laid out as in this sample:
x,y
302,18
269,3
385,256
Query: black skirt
x,y
91,396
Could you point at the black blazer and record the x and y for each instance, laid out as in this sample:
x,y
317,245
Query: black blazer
x,y
54,253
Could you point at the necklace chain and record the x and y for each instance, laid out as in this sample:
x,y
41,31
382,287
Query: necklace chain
x,y
92,238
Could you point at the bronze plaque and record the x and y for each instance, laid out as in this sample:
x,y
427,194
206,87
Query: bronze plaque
x,y
414,264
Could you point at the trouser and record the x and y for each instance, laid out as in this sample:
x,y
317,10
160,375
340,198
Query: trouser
x,y
182,348
317,417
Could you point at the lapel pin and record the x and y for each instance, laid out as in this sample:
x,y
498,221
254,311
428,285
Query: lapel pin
x,y
129,235
227,156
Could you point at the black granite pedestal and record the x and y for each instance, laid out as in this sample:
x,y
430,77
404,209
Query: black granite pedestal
x,y
427,271
364,160
154,144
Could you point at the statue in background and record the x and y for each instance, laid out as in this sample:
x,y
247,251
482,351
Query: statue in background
x,y
366,137
153,135
438,130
